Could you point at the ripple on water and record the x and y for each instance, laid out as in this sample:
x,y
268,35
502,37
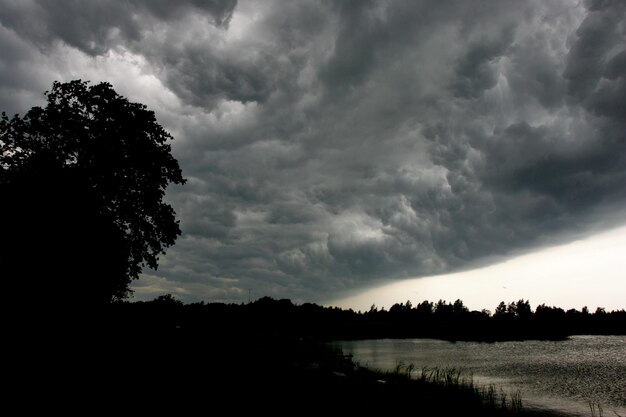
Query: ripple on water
x,y
566,375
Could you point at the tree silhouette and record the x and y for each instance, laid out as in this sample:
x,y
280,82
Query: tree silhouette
x,y
82,183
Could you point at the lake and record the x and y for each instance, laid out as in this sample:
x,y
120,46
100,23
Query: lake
x,y
559,375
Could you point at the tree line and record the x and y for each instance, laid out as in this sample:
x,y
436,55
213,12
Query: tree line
x,y
442,320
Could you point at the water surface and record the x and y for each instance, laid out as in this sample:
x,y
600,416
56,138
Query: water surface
x,y
562,375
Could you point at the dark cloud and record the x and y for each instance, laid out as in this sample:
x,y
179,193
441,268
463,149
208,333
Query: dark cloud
x,y
361,36
202,76
96,26
599,39
100,26
476,70
333,145
534,72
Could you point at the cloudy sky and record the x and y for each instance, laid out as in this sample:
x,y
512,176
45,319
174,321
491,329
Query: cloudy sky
x,y
332,146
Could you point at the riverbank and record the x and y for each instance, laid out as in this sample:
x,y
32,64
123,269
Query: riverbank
x,y
283,376
188,372
286,376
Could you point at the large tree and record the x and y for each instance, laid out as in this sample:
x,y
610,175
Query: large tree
x,y
83,181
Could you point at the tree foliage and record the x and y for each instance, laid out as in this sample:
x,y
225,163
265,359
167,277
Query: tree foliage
x,y
424,320
83,181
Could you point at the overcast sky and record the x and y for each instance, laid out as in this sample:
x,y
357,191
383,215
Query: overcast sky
x,y
333,145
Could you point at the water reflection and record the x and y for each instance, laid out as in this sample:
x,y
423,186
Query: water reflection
x,y
566,375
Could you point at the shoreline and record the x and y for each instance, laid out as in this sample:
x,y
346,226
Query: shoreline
x,y
258,372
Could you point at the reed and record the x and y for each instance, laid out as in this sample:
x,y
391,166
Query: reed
x,y
596,409
457,380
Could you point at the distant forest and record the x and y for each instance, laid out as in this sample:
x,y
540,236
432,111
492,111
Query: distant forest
x,y
441,320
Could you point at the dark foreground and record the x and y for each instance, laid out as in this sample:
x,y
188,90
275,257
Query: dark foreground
x,y
267,356
183,372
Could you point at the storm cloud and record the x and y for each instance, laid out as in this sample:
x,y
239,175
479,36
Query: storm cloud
x,y
332,145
